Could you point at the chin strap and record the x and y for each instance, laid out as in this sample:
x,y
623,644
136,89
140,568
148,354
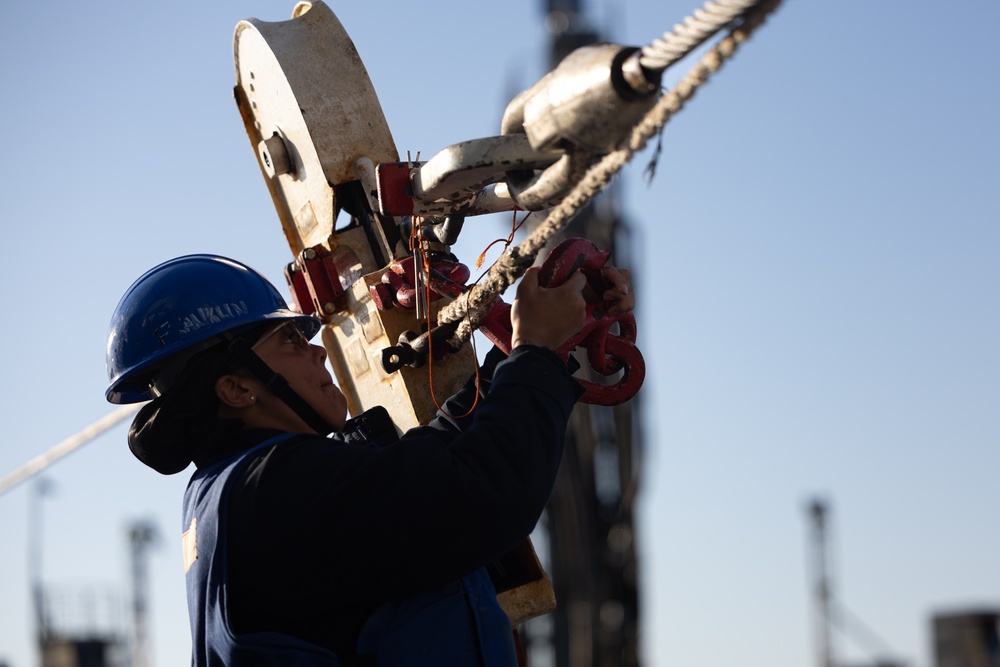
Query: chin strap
x,y
277,384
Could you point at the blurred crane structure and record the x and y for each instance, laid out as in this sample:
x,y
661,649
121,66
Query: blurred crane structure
x,y
142,535
74,626
590,543
830,614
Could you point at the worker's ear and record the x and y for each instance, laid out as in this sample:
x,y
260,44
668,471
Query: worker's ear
x,y
235,391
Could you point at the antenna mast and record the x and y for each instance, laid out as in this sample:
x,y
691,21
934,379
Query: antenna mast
x,y
821,582
142,535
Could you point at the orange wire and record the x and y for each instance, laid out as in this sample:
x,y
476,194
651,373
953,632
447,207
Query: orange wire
x,y
430,338
515,225
416,245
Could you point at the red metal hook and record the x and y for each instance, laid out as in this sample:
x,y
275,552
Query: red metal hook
x,y
608,353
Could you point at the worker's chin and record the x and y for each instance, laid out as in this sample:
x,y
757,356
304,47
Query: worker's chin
x,y
336,406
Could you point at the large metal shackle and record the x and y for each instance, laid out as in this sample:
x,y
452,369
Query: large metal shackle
x,y
584,108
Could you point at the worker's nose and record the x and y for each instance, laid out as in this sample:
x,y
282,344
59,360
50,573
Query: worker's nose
x,y
319,352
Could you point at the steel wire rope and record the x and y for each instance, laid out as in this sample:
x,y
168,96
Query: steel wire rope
x,y
470,308
67,446
687,36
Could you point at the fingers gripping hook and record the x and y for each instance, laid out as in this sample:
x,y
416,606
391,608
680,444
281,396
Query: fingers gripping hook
x,y
608,353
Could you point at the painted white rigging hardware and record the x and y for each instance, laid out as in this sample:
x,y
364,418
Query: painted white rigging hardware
x,y
573,192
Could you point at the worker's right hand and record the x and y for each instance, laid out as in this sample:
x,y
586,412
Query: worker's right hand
x,y
547,316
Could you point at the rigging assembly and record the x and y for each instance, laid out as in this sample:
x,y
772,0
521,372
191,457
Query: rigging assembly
x,y
316,169
390,273
322,152
392,295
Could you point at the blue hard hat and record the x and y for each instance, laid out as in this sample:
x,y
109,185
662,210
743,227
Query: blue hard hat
x,y
179,308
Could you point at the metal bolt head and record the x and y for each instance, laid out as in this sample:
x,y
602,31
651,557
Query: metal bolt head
x,y
274,156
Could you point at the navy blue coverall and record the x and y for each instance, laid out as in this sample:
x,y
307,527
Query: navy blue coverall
x,y
324,531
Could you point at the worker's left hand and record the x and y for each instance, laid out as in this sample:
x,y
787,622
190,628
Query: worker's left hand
x,y
547,316
619,298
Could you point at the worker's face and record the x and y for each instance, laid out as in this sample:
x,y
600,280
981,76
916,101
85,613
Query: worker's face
x,y
287,352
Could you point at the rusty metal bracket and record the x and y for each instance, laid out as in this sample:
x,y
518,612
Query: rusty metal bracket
x,y
319,278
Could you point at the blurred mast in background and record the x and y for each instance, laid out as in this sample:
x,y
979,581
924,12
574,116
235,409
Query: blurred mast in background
x,y
589,522
831,614
819,565
141,536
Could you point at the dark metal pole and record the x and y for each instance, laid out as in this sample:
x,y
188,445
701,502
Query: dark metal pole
x,y
41,488
141,535
589,525
821,582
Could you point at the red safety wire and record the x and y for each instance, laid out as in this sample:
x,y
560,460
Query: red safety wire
x,y
514,226
418,247
416,244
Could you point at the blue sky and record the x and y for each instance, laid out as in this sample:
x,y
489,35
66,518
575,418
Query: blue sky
x,y
817,266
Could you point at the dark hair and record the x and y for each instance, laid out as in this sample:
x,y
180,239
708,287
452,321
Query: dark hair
x,y
182,424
